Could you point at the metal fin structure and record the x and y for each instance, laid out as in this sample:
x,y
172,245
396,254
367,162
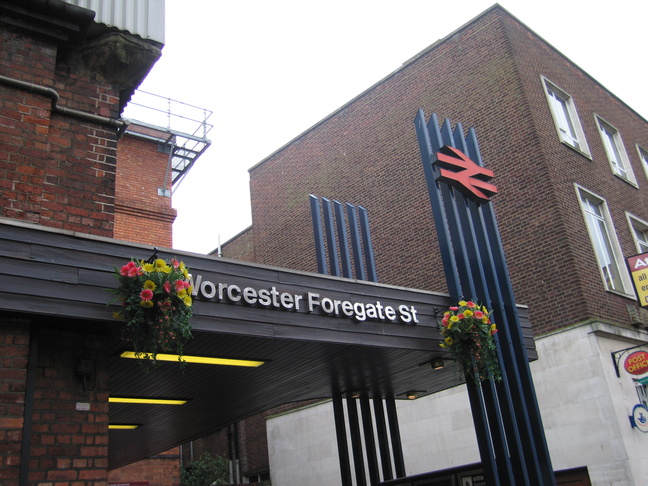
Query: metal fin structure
x,y
507,419
332,233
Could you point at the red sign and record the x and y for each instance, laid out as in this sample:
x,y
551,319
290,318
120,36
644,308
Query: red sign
x,y
464,174
636,363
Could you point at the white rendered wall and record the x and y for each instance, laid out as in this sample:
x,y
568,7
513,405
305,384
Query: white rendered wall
x,y
584,406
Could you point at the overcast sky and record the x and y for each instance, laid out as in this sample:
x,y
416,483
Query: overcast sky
x,y
271,69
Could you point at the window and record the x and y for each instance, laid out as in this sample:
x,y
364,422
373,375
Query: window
x,y
639,230
643,156
642,392
616,151
606,246
565,117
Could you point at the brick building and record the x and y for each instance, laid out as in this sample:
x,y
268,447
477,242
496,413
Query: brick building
x,y
571,165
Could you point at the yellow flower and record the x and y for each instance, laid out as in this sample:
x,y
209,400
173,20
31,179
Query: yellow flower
x,y
462,303
190,289
454,319
146,303
449,326
148,267
468,313
181,266
185,273
150,284
448,341
161,266
182,293
187,301
118,315
485,319
442,345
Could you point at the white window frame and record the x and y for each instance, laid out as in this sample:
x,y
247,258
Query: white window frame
x,y
615,150
638,227
605,244
642,392
643,157
565,117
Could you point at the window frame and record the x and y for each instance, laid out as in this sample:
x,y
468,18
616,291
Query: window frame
x,y
611,139
568,114
616,255
643,158
638,224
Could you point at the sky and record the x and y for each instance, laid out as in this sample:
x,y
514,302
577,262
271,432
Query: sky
x,y
269,70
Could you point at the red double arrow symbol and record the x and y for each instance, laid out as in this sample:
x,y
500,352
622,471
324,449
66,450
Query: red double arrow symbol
x,y
456,169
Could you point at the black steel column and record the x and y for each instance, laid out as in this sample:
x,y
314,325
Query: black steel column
x,y
394,432
383,439
343,447
356,444
369,441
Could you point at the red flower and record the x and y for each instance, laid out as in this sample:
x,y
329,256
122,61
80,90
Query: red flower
x,y
129,270
167,287
454,308
146,294
470,304
180,285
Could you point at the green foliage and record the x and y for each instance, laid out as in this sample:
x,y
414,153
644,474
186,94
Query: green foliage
x,y
205,471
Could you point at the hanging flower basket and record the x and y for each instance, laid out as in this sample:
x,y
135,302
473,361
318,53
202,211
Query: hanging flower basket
x,y
156,299
469,337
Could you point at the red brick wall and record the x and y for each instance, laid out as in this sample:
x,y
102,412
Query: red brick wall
x,y
486,75
69,445
161,470
54,170
14,353
142,215
241,246
69,420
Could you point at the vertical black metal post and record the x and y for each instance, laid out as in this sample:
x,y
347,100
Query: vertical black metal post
x,y
343,243
394,432
383,438
355,242
343,446
369,440
319,237
356,444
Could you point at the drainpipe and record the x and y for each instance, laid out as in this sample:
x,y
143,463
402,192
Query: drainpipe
x,y
120,125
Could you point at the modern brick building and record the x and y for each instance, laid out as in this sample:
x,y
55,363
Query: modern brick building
x,y
571,166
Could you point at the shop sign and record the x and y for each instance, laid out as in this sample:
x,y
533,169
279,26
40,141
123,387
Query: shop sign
x,y
636,363
639,418
638,266
305,302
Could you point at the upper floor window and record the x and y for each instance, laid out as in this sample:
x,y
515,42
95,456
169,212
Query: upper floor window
x,y
643,156
565,117
616,151
639,230
606,246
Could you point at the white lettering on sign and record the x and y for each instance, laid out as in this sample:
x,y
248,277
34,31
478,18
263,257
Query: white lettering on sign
x,y
311,302
640,263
